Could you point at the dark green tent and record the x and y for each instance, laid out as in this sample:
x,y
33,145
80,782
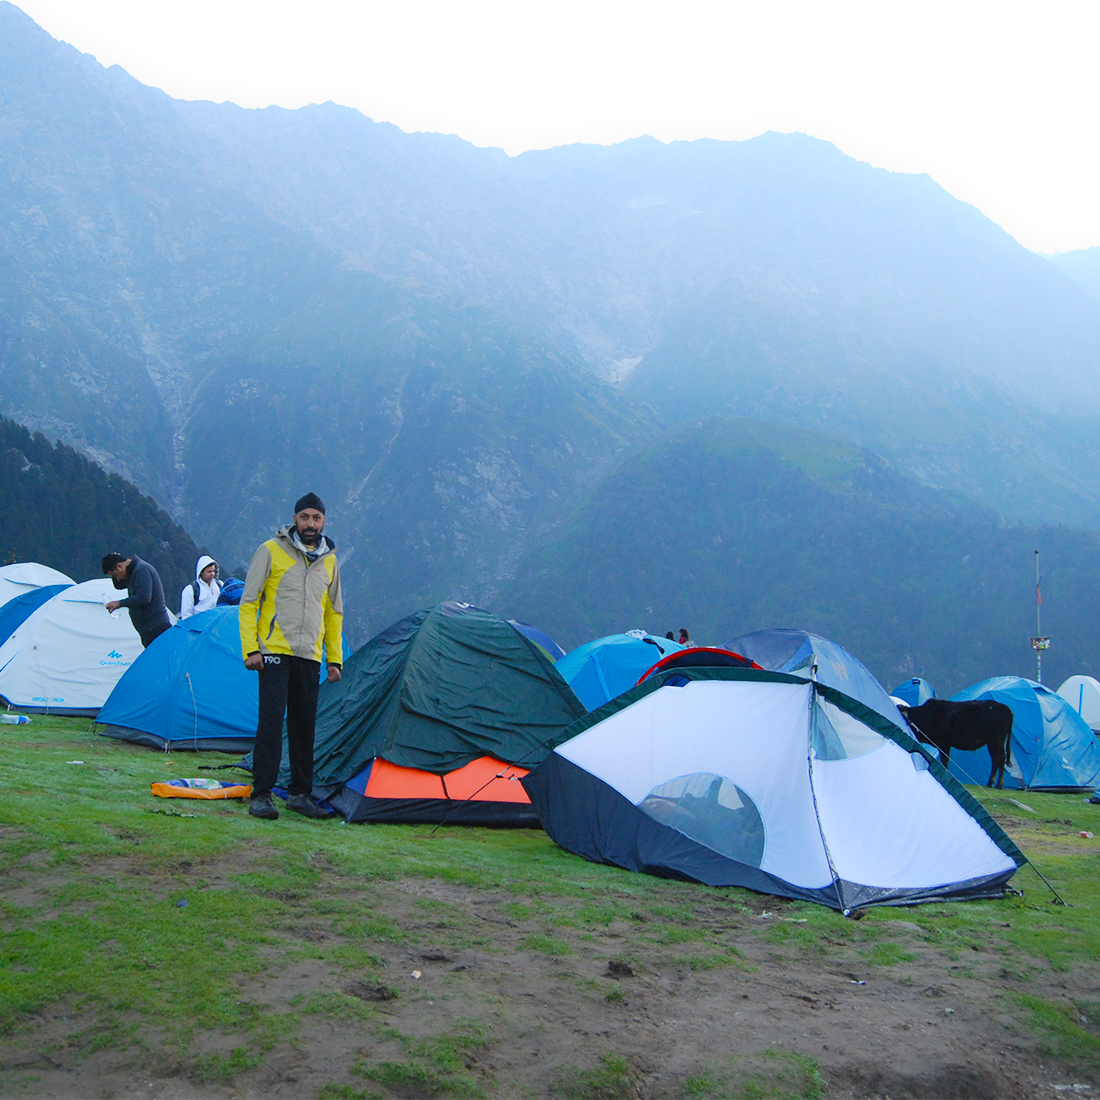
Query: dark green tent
x,y
440,690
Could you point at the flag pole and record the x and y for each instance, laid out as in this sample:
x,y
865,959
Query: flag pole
x,y
1038,643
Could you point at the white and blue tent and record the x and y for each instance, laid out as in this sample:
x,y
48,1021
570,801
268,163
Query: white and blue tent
x,y
1083,694
742,777
68,654
26,577
15,612
188,690
1052,746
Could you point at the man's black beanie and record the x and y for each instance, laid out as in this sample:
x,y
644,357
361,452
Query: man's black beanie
x,y
310,500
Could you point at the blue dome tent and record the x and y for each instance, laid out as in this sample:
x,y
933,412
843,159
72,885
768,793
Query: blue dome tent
x,y
188,690
1052,746
600,670
797,651
914,692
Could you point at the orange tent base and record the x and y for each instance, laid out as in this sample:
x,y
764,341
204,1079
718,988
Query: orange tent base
x,y
484,792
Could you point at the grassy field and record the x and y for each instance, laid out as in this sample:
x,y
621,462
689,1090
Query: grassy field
x,y
148,941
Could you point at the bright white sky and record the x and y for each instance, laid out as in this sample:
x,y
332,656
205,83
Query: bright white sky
x,y
997,101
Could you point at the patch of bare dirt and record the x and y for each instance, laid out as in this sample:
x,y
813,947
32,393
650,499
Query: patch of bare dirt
x,y
932,1026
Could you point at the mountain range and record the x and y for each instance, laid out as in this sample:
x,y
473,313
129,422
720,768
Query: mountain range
x,y
461,351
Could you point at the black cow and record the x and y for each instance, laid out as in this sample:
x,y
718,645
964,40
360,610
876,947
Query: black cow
x,y
968,726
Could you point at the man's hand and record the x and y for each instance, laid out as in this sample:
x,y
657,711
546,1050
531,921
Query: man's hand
x,y
254,662
114,605
333,673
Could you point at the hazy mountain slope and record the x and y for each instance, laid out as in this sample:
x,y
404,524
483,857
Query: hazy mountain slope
x,y
739,353
727,526
228,304
1083,265
126,267
68,513
438,438
609,244
61,377
873,293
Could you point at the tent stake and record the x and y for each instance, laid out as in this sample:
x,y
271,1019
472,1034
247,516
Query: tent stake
x,y
1058,900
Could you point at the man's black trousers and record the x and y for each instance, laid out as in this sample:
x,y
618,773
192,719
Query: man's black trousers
x,y
288,685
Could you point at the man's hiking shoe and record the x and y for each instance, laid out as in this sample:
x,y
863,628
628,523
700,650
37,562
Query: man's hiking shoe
x,y
263,807
304,805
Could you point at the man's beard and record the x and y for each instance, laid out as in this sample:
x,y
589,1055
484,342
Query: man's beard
x,y
309,535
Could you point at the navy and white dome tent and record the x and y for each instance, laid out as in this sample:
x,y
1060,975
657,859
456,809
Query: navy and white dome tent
x,y
740,777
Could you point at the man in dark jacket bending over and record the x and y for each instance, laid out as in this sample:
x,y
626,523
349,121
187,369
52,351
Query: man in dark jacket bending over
x,y
145,599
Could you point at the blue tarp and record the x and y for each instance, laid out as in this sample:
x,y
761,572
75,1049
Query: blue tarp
x,y
915,691
15,612
540,638
188,690
1052,747
790,650
599,671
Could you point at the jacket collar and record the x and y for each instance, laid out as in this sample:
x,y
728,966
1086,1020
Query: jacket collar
x,y
286,535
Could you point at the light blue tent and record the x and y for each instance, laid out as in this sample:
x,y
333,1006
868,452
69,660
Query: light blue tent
x,y
790,650
1052,747
599,671
188,690
914,692
16,611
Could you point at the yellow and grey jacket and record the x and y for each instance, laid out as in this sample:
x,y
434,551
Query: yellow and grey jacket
x,y
290,604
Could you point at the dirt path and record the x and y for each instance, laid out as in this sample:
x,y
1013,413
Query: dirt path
x,y
473,992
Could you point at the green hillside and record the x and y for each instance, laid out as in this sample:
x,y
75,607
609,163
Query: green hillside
x,y
67,512
727,526
941,422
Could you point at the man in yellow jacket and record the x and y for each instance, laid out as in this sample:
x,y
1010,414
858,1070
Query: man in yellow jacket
x,y
291,611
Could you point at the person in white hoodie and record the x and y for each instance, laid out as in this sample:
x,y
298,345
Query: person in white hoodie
x,y
203,593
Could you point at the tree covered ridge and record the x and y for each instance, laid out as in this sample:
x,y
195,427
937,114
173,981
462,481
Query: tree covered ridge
x,y
66,512
728,526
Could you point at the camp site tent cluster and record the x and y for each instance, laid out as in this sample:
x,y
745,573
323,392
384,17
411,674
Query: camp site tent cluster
x,y
719,773
776,761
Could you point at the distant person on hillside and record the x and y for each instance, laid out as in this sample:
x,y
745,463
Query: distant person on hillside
x,y
670,636
145,599
291,611
685,637
203,592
